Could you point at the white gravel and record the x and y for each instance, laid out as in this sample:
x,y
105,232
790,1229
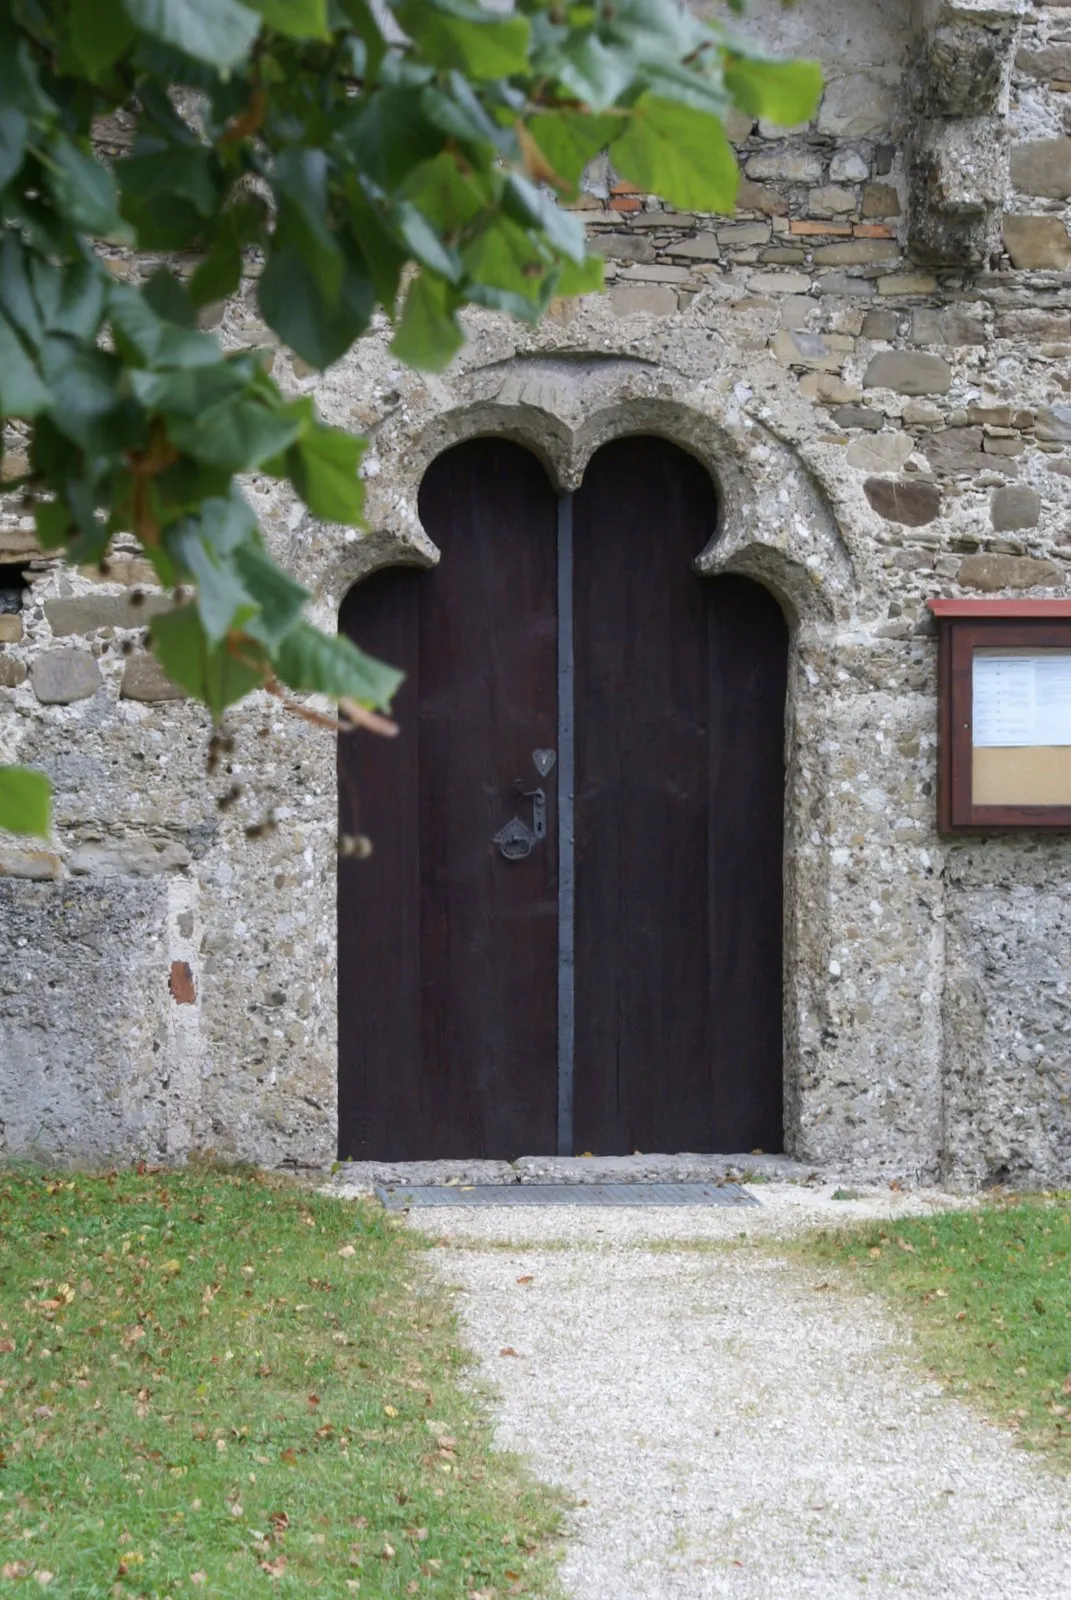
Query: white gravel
x,y
729,1428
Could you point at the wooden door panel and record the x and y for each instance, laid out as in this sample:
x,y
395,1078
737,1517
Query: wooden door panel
x,y
679,714
467,1066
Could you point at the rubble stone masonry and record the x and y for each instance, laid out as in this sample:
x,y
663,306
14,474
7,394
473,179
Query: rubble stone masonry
x,y
873,357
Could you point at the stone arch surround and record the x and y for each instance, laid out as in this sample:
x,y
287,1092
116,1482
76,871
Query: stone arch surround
x,y
775,526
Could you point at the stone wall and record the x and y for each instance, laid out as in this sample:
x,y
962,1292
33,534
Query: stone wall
x,y
872,358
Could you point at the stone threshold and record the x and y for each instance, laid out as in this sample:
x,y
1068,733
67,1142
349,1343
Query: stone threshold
x,y
363,1176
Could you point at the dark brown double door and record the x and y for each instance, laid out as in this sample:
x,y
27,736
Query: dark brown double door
x,y
568,935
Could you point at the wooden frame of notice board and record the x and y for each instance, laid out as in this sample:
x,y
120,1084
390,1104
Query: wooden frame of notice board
x,y
1004,714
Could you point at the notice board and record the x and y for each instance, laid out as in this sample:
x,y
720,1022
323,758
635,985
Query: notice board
x,y
1004,687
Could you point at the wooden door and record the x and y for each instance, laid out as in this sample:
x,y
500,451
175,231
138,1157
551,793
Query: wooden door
x,y
619,987
447,950
680,693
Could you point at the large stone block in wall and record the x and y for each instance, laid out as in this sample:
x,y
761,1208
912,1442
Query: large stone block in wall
x,y
1037,242
1042,167
855,105
86,613
144,679
957,180
988,574
60,677
911,504
908,372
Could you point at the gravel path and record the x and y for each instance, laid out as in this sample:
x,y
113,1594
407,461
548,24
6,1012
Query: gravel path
x,y
729,1429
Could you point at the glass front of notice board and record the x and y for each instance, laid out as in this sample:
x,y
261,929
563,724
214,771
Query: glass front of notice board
x,y
1021,727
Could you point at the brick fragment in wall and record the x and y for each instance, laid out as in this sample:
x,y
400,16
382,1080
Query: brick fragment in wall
x,y
10,628
807,227
1014,507
947,326
181,984
1037,242
60,677
828,389
87,613
911,504
1042,167
908,372
990,573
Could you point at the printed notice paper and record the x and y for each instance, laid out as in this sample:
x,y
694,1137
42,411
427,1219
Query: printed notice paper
x,y
1022,699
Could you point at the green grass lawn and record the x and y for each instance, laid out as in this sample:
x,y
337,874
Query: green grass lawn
x,y
989,1293
212,1382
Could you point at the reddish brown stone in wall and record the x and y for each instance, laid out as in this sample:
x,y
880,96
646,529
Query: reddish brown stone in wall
x,y
181,984
912,504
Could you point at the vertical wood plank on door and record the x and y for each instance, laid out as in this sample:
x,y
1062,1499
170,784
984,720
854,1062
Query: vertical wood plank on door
x,y
473,1070
678,958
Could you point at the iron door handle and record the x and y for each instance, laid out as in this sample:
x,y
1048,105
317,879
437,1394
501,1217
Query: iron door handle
x,y
516,839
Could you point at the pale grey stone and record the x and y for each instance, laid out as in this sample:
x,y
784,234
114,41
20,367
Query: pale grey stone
x,y
858,417
623,246
29,863
1042,167
848,166
1054,423
1014,507
785,165
86,613
990,573
60,677
908,372
855,105
950,325
883,452
145,679
131,857
1037,242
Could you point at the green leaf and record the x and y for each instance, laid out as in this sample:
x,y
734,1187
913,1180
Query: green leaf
x,y
509,270
459,33
25,801
223,602
303,228
331,664
585,279
424,244
71,300
238,435
189,392
292,303
217,31
323,469
84,191
368,30
13,130
100,33
785,92
185,174
679,153
217,674
299,19
278,596
22,393
158,343
428,335
570,139
220,273
562,229
389,135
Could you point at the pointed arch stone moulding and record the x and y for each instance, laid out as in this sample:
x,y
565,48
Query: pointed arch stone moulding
x,y
775,522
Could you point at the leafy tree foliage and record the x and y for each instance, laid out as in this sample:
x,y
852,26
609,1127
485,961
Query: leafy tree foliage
x,y
402,157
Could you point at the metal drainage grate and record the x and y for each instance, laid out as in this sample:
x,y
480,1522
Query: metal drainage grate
x,y
398,1198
